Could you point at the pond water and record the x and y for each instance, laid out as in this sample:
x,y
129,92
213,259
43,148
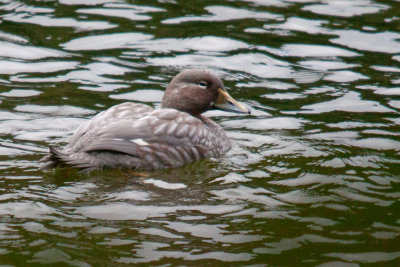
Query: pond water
x,y
313,177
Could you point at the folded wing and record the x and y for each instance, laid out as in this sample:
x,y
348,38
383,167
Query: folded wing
x,y
158,139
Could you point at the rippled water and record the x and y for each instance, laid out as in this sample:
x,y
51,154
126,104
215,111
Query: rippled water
x,y
313,175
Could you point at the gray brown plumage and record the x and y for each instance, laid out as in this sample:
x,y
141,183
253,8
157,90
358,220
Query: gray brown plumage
x,y
135,136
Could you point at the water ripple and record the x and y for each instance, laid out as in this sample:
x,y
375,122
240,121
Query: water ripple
x,y
312,176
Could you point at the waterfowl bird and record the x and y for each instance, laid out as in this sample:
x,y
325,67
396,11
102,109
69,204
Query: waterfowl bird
x,y
136,136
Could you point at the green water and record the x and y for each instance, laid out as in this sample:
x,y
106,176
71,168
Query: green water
x,y
312,178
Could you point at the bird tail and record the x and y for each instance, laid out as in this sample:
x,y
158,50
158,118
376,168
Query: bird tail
x,y
60,158
53,159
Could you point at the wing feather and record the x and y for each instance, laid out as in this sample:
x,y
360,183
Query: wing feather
x,y
116,145
130,111
153,128
159,139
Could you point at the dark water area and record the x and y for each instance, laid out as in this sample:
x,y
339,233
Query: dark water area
x,y
312,179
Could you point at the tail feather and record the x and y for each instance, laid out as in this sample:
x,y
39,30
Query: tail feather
x,y
77,160
51,160
89,161
57,155
59,158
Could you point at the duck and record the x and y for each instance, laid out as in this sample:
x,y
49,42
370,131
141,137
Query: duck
x,y
138,137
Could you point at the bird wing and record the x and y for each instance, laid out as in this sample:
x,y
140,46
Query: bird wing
x,y
166,137
128,110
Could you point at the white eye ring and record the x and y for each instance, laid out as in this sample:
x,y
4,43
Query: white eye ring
x,y
203,84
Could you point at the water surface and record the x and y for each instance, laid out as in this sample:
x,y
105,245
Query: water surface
x,y
313,174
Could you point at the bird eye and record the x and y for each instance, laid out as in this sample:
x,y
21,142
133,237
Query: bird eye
x,y
203,84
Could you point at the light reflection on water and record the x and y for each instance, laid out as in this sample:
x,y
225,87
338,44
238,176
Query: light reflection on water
x,y
313,174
